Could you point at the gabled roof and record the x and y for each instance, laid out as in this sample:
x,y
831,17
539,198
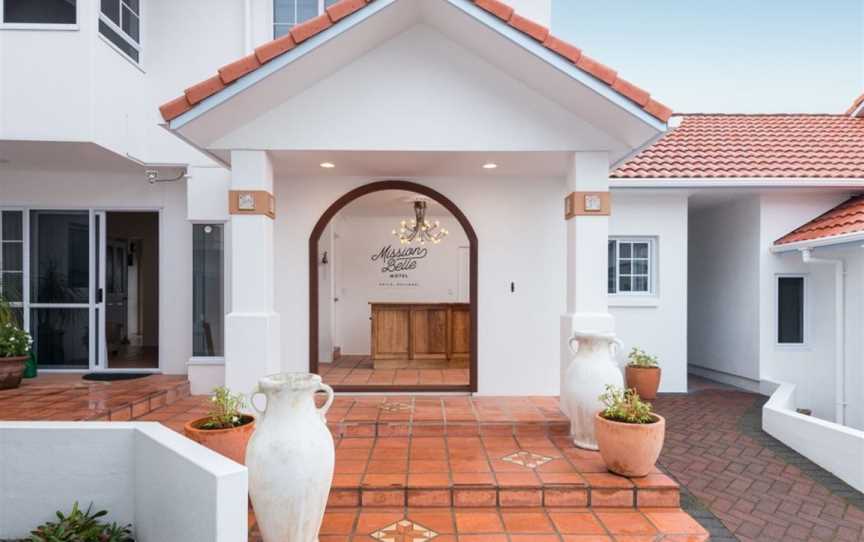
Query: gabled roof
x,y
847,218
717,146
337,12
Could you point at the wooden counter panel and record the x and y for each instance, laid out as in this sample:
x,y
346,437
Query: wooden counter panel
x,y
425,331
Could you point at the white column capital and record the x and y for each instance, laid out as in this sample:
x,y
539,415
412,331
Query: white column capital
x,y
588,172
251,170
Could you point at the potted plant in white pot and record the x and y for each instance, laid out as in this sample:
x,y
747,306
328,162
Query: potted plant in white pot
x,y
15,344
630,436
643,373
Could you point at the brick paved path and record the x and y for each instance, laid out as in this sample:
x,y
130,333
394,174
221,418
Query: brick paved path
x,y
746,485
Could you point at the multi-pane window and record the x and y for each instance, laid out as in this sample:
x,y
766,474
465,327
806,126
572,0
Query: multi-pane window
x,y
790,310
12,261
631,264
208,287
120,23
287,13
38,11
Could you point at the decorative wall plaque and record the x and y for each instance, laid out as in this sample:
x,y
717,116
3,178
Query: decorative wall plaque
x,y
586,203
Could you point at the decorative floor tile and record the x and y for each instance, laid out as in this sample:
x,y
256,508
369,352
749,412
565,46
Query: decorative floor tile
x,y
527,459
395,407
404,530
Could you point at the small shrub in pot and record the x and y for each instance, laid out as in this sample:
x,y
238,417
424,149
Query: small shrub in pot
x,y
643,373
630,435
15,344
225,429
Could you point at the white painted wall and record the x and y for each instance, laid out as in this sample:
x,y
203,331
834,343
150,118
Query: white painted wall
x,y
723,285
435,280
82,189
521,239
656,323
810,367
196,496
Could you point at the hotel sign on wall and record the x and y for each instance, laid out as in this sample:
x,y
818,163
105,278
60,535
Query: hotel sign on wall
x,y
397,264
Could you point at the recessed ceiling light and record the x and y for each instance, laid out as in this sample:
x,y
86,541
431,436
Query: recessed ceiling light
x,y
490,165
328,165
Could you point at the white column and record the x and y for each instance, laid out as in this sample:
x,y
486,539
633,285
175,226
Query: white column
x,y
587,253
252,331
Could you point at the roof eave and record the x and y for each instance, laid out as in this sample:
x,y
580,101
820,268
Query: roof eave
x,y
736,182
856,237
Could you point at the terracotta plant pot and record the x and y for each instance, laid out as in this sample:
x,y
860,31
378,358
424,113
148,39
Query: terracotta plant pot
x,y
11,371
645,380
630,449
229,442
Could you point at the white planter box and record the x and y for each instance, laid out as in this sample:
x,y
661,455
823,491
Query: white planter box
x,y
168,487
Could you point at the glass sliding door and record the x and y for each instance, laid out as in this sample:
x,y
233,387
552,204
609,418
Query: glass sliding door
x,y
60,288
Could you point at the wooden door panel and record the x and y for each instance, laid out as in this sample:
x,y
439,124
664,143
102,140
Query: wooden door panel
x,y
429,332
460,333
390,333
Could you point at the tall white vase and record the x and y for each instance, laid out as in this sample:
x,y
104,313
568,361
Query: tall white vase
x,y
290,458
592,369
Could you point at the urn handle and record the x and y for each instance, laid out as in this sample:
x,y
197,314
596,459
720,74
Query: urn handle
x,y
573,343
255,392
329,402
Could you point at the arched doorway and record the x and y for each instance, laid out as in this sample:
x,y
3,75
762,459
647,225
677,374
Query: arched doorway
x,y
314,239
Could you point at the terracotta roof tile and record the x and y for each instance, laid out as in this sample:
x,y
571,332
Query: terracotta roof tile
x,y
760,146
335,13
237,69
272,49
527,26
204,89
306,30
496,8
846,218
344,8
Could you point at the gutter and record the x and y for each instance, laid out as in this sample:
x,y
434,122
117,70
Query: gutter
x,y
736,182
856,237
839,330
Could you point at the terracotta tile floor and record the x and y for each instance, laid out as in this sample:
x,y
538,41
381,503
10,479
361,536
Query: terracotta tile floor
x,y
68,397
501,525
359,371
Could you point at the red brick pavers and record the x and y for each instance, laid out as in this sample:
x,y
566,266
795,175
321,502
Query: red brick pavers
x,y
66,397
758,488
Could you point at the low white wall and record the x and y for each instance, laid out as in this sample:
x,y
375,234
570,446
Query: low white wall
x,y
166,486
837,449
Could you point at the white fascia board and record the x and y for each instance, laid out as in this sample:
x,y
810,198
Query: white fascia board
x,y
859,111
557,61
856,237
265,70
736,182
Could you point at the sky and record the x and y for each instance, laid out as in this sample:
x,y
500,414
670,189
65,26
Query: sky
x,y
726,56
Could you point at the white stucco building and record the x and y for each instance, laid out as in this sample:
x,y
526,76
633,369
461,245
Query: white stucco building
x,y
182,238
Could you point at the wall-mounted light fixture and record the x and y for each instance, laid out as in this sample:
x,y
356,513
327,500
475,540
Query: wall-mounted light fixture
x,y
324,259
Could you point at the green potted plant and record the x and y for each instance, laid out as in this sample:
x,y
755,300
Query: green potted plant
x,y
81,526
15,344
225,429
629,435
643,373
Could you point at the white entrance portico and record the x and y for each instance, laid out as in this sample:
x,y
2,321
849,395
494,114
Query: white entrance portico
x,y
429,92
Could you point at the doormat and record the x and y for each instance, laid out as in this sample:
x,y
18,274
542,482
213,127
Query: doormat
x,y
110,377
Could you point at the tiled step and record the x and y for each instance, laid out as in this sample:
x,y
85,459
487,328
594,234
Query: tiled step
x,y
401,416
486,471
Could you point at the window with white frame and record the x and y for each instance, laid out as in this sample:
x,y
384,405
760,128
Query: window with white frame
x,y
120,24
208,290
287,13
790,309
631,266
12,262
38,12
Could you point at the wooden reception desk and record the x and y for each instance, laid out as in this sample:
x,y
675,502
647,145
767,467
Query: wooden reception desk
x,y
421,331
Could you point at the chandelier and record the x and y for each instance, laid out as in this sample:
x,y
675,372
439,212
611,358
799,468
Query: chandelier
x,y
419,229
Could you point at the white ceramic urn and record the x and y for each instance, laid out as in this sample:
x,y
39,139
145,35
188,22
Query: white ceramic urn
x,y
290,458
592,369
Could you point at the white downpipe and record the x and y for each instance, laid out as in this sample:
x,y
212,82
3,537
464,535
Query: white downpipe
x,y
247,26
839,331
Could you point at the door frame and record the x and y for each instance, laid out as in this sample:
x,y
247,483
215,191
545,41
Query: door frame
x,y
95,281
314,238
